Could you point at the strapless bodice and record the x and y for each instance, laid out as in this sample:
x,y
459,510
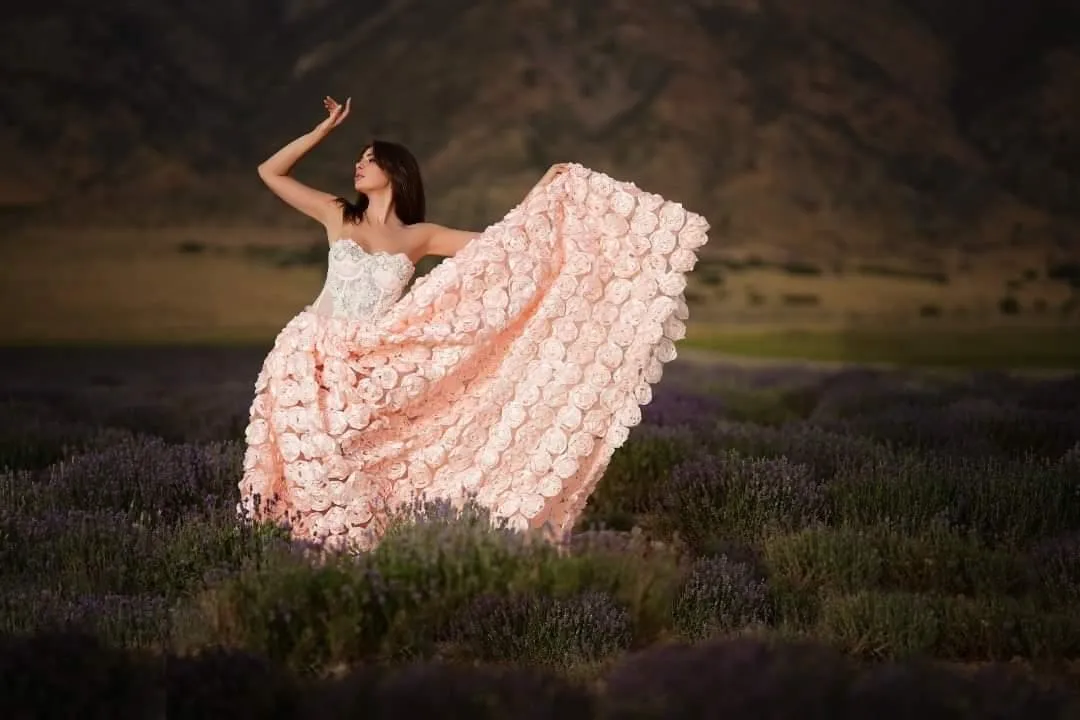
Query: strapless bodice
x,y
362,285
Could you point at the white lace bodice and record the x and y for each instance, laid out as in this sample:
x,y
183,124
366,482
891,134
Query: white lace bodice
x,y
362,285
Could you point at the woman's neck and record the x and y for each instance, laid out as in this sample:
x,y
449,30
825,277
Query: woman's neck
x,y
380,210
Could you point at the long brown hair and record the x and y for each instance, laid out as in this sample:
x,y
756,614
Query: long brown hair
x,y
406,184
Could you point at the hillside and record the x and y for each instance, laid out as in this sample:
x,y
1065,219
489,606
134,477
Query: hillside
x,y
855,129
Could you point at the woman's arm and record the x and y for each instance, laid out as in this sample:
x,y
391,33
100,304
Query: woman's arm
x,y
274,171
448,242
444,241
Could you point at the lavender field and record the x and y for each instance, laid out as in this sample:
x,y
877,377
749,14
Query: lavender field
x,y
771,542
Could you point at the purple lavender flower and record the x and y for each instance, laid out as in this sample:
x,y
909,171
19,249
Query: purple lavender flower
x,y
671,406
729,495
146,476
542,630
721,595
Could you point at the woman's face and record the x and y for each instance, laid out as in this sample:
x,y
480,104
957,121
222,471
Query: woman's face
x,y
367,176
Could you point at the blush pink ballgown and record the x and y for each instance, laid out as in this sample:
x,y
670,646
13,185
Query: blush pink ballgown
x,y
509,374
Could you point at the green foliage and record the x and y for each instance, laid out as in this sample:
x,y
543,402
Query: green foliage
x,y
734,497
541,630
721,596
936,560
999,500
418,591
899,625
635,478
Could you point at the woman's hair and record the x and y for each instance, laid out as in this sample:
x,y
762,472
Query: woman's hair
x,y
406,184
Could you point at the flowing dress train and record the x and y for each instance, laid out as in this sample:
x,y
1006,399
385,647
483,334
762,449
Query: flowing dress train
x,y
509,374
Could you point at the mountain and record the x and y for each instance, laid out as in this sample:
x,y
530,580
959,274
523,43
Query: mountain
x,y
832,129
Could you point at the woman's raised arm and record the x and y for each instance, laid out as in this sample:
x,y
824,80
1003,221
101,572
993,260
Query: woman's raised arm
x,y
274,171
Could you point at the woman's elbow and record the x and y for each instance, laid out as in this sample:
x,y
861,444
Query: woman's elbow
x,y
268,176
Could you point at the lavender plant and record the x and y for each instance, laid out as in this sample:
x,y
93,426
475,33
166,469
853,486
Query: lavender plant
x,y
729,495
721,595
852,506
542,630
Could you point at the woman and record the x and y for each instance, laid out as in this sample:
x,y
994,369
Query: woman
x,y
509,373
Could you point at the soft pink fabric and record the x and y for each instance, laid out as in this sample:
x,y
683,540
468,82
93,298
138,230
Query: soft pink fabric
x,y
509,374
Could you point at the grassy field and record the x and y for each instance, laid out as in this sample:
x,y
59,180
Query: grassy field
x,y
239,285
989,348
810,538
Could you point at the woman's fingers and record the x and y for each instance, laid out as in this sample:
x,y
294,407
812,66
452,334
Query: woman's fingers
x,y
336,110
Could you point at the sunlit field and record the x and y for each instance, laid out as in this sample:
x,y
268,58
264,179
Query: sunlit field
x,y
771,542
238,285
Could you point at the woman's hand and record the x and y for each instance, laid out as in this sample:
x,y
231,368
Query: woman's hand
x,y
335,114
553,172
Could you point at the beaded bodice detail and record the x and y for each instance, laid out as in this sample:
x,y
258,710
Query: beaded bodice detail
x,y
362,285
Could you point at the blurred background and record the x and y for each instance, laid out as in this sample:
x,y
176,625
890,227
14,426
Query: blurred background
x,y
887,180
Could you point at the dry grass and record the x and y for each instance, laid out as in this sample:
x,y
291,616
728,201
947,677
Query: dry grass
x,y
129,286
966,293
120,286
1004,348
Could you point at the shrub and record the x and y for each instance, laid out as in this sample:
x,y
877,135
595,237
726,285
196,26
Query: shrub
x,y
672,407
642,575
720,595
307,616
32,438
147,478
823,452
1010,501
110,552
938,559
968,426
402,598
132,621
1055,563
637,473
897,625
542,630
728,495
